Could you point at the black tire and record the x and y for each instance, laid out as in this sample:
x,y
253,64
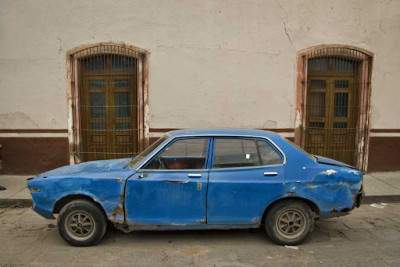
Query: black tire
x,y
82,223
289,222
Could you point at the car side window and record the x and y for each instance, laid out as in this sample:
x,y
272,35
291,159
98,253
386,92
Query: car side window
x,y
268,154
184,154
234,153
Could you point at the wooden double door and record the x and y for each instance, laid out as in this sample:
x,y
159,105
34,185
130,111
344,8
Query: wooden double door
x,y
331,117
108,116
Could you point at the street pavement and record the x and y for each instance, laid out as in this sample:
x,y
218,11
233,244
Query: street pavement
x,y
369,236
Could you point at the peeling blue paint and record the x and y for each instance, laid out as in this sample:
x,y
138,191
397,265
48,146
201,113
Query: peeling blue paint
x,y
226,198
103,181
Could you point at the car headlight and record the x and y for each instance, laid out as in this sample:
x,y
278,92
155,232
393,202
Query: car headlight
x,y
35,189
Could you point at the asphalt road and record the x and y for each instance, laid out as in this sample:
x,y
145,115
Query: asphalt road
x,y
368,237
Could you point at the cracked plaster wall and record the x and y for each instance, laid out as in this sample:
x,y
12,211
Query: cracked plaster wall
x,y
212,63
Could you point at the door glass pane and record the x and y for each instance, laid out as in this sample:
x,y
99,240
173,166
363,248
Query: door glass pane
x,y
122,105
342,84
183,154
97,105
122,83
343,65
232,153
123,63
268,154
318,64
97,84
123,126
95,63
317,105
341,105
316,125
98,126
340,125
318,84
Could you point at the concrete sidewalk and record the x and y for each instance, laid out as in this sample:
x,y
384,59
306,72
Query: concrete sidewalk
x,y
378,187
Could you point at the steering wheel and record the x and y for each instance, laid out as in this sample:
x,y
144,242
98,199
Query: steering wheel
x,y
161,164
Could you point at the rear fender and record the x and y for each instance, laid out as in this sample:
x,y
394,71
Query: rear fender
x,y
331,189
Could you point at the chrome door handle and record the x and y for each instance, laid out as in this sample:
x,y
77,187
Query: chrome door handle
x,y
194,175
177,181
142,176
270,173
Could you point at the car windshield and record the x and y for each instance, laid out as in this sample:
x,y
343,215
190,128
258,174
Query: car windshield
x,y
147,151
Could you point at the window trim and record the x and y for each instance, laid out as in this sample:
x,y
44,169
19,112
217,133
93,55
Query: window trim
x,y
269,142
210,152
248,168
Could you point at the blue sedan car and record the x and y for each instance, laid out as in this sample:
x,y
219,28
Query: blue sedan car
x,y
200,179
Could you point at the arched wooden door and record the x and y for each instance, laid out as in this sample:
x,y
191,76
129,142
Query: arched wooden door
x,y
336,100
108,101
108,106
331,115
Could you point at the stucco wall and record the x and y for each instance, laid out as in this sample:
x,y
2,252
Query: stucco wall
x,y
212,63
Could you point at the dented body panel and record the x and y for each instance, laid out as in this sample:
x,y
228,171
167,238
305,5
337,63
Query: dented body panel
x,y
102,181
240,195
137,199
166,198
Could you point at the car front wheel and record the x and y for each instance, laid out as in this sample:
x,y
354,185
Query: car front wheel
x,y
82,223
289,222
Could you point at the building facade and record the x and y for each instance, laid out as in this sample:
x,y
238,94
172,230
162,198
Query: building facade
x,y
87,80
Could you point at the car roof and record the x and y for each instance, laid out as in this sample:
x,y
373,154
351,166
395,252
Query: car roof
x,y
222,131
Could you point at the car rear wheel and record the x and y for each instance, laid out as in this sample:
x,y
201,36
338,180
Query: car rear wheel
x,y
289,222
82,223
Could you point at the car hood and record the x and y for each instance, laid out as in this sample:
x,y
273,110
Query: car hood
x,y
90,167
329,161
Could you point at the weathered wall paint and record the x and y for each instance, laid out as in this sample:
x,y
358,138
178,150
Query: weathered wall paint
x,y
212,63
32,155
384,154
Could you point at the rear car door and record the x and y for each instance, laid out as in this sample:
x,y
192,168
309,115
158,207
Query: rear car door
x,y
246,175
171,188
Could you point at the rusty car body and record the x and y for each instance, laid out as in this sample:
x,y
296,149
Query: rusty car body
x,y
200,179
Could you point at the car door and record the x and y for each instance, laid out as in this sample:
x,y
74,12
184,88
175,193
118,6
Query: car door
x,y
246,175
171,188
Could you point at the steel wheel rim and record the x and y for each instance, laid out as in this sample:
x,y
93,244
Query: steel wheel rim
x,y
291,223
80,225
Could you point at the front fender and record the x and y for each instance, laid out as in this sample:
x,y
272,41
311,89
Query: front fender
x,y
108,192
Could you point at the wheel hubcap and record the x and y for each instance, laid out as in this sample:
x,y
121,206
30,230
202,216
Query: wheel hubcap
x,y
80,225
291,223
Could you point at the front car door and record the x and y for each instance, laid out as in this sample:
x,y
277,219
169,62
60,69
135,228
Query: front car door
x,y
170,189
246,175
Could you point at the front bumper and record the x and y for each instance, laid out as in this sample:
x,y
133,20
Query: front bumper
x,y
42,203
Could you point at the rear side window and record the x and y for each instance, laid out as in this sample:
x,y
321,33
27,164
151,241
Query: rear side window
x,y
268,154
234,153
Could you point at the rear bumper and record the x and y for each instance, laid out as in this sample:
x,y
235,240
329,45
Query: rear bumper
x,y
358,199
345,211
